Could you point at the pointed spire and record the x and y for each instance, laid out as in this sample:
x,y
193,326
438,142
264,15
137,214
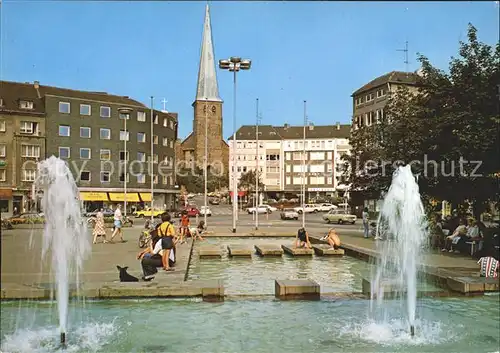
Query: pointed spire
x,y
208,87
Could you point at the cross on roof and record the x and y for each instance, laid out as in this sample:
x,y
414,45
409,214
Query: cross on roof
x,y
164,101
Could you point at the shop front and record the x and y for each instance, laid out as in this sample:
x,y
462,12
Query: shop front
x,y
5,199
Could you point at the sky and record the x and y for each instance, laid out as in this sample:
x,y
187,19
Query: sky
x,y
315,51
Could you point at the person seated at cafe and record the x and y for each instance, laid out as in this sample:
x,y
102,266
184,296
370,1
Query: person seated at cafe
x,y
302,239
454,238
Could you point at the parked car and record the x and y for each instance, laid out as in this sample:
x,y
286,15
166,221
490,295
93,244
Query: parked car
x,y
108,212
214,201
289,213
147,213
309,208
262,209
192,211
326,207
339,216
203,210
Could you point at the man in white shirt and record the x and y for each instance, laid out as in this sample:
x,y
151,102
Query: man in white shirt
x,y
118,222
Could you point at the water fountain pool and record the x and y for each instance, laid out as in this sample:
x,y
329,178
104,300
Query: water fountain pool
x,y
263,325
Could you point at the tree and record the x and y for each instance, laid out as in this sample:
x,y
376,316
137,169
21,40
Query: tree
x,y
247,181
193,180
452,120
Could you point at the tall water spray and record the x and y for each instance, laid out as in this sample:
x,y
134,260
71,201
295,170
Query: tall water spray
x,y
65,236
402,226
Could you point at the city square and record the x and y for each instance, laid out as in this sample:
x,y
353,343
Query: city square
x,y
228,177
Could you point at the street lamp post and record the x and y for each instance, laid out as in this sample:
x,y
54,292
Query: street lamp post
x,y
151,160
257,166
234,64
125,112
304,168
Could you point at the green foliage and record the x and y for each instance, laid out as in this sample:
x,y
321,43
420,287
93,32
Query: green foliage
x,y
247,181
194,182
453,117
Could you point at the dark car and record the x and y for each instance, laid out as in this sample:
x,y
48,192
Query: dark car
x,y
108,212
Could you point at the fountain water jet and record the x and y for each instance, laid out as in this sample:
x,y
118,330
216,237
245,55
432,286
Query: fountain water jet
x,y
402,225
65,235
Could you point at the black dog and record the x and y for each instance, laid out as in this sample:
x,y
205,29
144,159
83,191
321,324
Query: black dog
x,y
126,277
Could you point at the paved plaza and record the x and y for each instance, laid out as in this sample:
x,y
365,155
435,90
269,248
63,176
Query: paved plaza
x,y
22,264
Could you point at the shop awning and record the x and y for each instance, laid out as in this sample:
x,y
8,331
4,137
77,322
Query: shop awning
x,y
120,197
93,196
145,196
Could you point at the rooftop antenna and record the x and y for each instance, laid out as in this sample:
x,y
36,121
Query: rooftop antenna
x,y
405,50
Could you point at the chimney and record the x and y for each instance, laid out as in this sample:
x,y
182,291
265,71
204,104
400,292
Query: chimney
x,y
311,127
286,126
36,85
338,125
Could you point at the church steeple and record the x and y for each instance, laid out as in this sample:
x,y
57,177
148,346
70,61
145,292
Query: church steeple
x,y
208,88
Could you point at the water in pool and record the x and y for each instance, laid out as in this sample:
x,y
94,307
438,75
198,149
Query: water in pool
x,y
443,325
256,276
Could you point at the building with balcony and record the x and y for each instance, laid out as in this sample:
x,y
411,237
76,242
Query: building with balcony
x,y
102,137
281,163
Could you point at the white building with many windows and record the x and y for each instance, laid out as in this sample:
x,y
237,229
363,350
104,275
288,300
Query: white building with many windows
x,y
281,163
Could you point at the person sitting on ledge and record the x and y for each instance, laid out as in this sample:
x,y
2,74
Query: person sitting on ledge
x,y
151,258
333,239
199,231
302,239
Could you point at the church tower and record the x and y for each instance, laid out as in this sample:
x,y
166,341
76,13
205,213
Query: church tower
x,y
208,106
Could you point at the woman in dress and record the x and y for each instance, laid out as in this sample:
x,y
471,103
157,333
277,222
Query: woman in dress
x,y
99,227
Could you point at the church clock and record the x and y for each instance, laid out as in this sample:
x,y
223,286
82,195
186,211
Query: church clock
x,y
209,109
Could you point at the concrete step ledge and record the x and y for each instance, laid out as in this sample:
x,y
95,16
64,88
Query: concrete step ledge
x,y
296,289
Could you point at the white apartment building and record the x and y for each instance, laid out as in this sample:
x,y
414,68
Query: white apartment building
x,y
269,156
281,162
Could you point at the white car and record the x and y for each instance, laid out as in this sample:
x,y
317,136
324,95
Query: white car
x,y
309,208
327,207
203,210
289,213
262,209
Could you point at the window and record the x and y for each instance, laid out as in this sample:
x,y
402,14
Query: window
x,y
289,168
105,112
64,152
122,177
141,116
155,139
141,156
29,174
165,122
317,156
1,102
298,168
64,130
165,180
124,116
30,151
317,168
85,175
123,135
156,119
329,167
329,155
3,175
141,178
297,156
85,132
141,137
155,158
2,126
105,177
105,155
165,141
298,180
329,180
84,153
105,134
155,179
288,156
25,104
271,169
171,143
273,157
85,109
288,180
3,150
64,107
123,155
28,127
315,180
322,145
